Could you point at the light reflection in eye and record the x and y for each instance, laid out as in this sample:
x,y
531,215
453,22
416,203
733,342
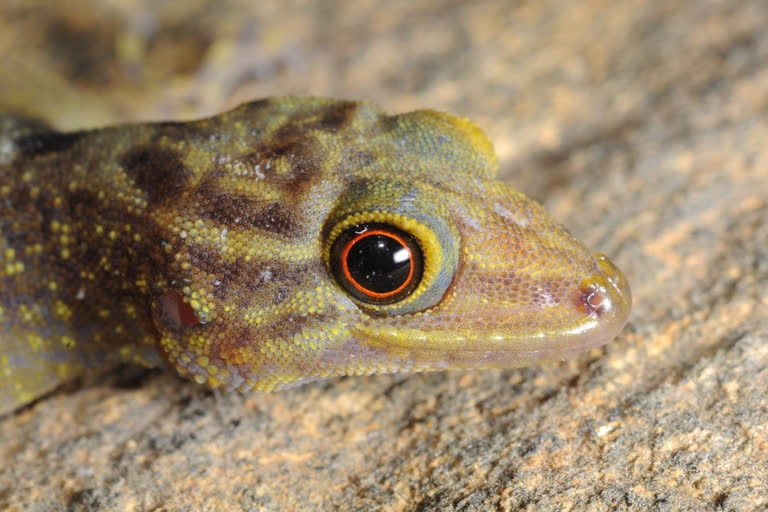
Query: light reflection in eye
x,y
401,255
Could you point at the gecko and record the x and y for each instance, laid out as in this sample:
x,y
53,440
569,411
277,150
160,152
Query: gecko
x,y
287,240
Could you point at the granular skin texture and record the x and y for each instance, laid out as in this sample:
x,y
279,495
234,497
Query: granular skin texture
x,y
640,125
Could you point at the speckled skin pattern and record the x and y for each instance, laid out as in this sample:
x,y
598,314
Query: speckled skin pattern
x,y
205,245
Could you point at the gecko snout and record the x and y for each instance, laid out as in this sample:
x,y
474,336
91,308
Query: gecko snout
x,y
605,295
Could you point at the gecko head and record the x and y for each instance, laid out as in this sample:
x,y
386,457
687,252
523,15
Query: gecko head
x,y
469,273
402,252
450,268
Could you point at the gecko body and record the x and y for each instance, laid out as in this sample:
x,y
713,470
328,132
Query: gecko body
x,y
287,240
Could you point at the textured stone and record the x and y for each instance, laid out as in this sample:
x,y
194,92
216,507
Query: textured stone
x,y
641,125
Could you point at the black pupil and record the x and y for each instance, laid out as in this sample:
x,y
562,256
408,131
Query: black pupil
x,y
379,263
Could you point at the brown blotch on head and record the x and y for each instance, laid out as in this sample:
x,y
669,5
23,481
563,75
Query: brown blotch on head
x,y
255,107
274,218
234,210
210,262
296,152
256,277
334,118
288,143
83,202
157,171
294,146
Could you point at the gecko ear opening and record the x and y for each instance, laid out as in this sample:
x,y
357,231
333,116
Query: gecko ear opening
x,y
174,311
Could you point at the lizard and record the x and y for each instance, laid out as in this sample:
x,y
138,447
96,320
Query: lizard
x,y
287,240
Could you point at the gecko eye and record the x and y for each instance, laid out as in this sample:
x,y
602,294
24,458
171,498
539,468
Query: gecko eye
x,y
391,249
377,263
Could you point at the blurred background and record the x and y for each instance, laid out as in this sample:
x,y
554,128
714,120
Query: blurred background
x,y
640,124
532,73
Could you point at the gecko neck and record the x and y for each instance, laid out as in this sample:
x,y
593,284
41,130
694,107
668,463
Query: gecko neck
x,y
74,230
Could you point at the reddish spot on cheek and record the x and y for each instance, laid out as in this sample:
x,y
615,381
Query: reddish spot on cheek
x,y
173,307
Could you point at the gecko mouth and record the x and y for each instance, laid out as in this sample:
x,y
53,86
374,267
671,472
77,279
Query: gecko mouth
x,y
602,301
596,312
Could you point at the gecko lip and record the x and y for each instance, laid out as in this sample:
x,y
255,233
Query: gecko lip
x,y
601,304
603,301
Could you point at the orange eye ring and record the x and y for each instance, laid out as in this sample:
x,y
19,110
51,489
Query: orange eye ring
x,y
353,281
377,263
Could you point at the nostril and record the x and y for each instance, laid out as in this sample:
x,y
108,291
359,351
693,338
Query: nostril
x,y
595,299
592,297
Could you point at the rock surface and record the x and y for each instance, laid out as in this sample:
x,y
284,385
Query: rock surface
x,y
640,125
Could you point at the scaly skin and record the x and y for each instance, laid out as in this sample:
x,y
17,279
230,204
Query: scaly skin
x,y
207,245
